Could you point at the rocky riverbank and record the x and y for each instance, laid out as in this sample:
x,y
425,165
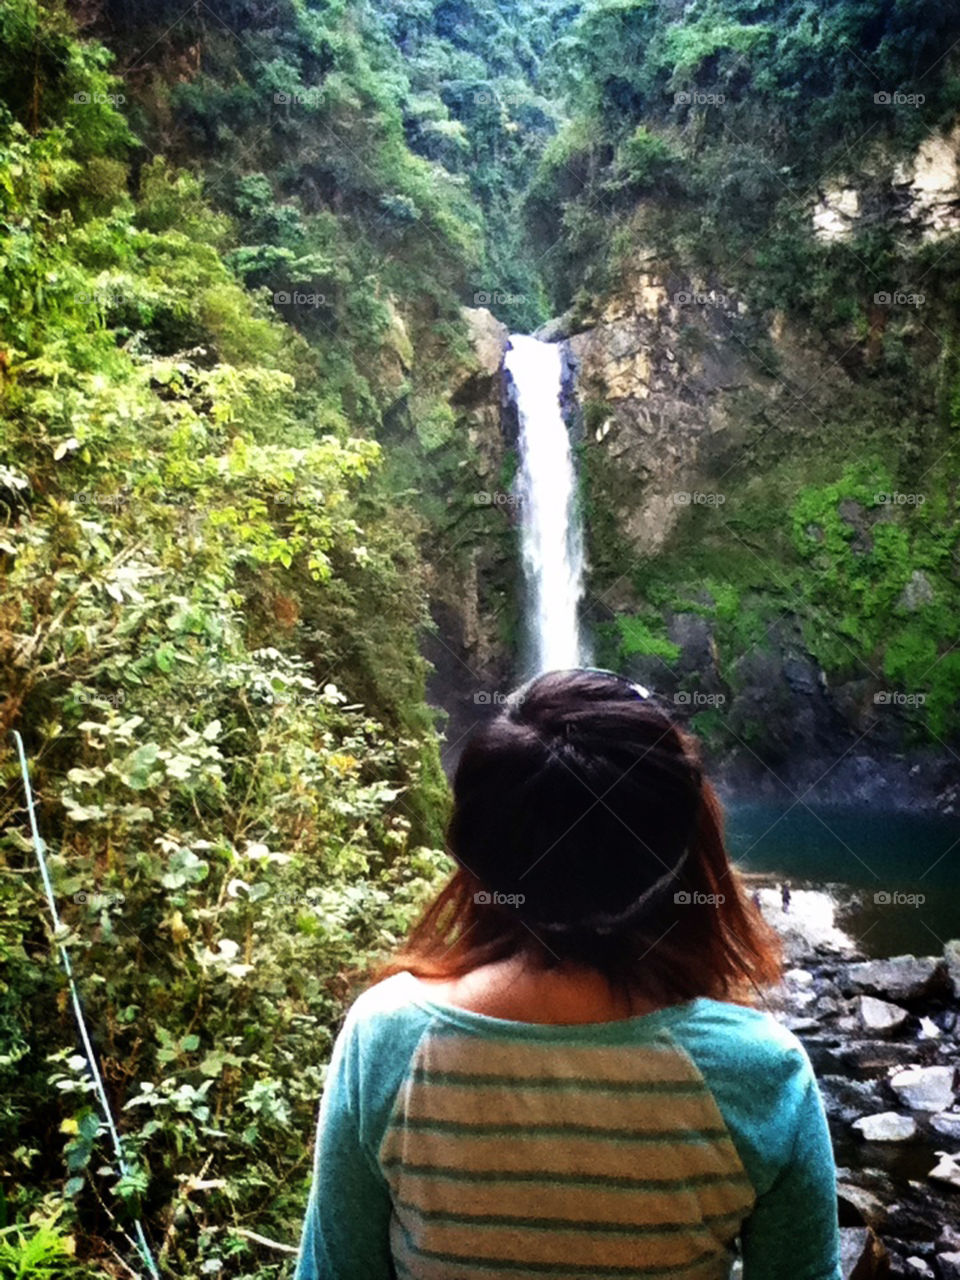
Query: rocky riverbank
x,y
884,1039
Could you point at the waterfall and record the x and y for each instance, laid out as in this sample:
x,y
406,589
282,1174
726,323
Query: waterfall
x,y
547,488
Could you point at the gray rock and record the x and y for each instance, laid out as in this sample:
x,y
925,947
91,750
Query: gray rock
x,y
947,1169
917,1267
849,1099
887,1126
880,1015
488,337
951,955
947,1123
918,591
869,1057
798,978
949,1264
900,978
924,1088
829,1006
800,1025
859,1207
694,636
862,1256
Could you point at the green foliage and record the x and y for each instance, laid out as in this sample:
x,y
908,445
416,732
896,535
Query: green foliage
x,y
209,618
753,104
39,1252
478,99
883,594
637,637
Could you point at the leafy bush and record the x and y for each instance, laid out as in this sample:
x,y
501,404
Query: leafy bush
x,y
209,618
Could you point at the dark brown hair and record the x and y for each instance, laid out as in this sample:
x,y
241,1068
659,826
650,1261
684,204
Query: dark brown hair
x,y
586,834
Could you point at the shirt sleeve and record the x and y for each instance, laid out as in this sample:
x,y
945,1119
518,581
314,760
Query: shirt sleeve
x,y
793,1233
346,1229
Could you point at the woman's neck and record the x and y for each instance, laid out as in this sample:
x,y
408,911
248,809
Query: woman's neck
x,y
514,990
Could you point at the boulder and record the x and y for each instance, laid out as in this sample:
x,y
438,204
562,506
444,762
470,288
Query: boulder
x,y
924,1088
800,1025
869,1057
899,978
857,1206
947,1169
556,329
949,1264
947,1123
862,1256
798,978
488,338
951,956
887,1126
880,1015
918,1267
849,1099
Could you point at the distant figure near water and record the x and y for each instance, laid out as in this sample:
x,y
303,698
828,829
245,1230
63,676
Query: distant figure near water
x,y
785,897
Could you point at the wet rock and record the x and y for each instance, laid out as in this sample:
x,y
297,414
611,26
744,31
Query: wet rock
x,y
693,635
858,1206
924,1088
899,978
887,1126
951,956
862,1256
949,1264
918,1267
929,1029
868,1057
947,1123
912,1222
880,1015
798,978
800,1025
947,1170
829,1006
847,1100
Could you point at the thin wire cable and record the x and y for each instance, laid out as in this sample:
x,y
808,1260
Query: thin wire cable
x,y
40,846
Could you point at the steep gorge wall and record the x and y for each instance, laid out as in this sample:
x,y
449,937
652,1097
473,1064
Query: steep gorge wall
x,y
472,558
706,420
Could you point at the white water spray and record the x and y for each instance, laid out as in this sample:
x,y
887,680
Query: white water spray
x,y
552,538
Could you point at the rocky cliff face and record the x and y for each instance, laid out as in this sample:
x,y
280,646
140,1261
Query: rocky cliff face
x,y
473,565
686,397
705,417
702,418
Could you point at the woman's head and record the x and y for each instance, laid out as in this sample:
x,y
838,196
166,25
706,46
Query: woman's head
x,y
586,834
580,799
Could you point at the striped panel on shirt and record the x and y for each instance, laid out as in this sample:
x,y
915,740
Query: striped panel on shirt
x,y
509,1159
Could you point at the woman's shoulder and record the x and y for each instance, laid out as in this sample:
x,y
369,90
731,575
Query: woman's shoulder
x,y
743,1043
385,1002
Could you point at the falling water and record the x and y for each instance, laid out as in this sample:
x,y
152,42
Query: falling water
x,y
552,540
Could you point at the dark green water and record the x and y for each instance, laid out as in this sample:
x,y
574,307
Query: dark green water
x,y
873,857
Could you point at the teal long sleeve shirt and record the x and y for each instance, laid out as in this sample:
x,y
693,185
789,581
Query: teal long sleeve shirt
x,y
456,1146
